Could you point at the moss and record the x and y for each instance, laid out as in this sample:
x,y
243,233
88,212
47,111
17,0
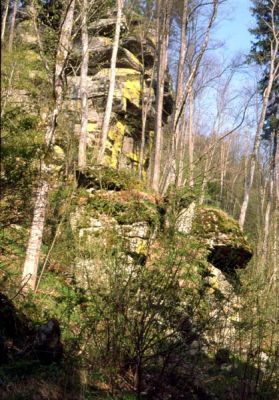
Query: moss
x,y
213,223
120,72
92,126
133,156
142,247
132,91
108,178
138,211
114,144
227,246
124,213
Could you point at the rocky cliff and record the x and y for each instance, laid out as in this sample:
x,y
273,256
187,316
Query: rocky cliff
x,y
135,88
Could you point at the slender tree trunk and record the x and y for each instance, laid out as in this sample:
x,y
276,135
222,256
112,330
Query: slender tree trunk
x,y
31,263
181,63
146,104
204,181
12,27
83,88
180,164
142,144
163,9
191,140
4,21
271,193
225,148
273,72
107,116
172,164
187,87
262,197
34,244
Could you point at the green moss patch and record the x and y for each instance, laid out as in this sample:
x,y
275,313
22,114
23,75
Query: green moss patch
x,y
228,248
124,212
108,178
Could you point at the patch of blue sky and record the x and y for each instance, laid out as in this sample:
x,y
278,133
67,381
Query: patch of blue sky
x,y
232,30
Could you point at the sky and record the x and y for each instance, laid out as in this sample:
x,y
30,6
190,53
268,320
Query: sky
x,y
232,30
233,27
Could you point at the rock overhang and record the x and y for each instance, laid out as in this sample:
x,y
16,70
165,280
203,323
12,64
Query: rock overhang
x,y
228,248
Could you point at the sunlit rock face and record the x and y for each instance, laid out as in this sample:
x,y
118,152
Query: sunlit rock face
x,y
135,89
112,214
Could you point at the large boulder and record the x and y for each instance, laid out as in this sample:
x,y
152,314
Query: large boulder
x,y
228,248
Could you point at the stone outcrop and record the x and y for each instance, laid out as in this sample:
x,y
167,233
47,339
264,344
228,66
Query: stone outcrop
x,y
228,248
115,201
115,212
113,207
135,86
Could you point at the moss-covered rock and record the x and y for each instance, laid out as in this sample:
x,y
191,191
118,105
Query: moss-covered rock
x,y
228,247
108,178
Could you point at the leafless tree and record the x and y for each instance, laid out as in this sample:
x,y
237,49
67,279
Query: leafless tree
x,y
4,20
83,87
272,77
163,28
35,240
107,116
12,27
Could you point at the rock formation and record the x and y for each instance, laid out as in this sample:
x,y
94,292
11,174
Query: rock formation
x,y
135,220
135,87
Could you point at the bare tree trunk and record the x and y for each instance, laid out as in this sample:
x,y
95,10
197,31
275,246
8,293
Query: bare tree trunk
x,y
191,140
163,8
181,63
83,88
106,121
225,147
146,104
176,146
34,244
31,263
204,180
271,193
180,164
12,27
273,75
4,21
186,88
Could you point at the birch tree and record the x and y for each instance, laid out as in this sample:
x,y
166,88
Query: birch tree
x,y
270,44
163,20
83,87
4,20
198,49
31,263
107,115
271,196
12,27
